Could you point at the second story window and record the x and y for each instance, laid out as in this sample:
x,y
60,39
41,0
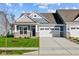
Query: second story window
x,y
34,15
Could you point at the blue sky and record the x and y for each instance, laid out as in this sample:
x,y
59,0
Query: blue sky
x,y
18,8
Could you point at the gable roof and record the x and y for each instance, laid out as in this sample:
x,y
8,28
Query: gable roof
x,y
24,18
68,15
49,16
39,18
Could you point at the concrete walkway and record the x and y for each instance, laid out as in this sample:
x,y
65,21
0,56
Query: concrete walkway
x,y
18,48
34,53
57,46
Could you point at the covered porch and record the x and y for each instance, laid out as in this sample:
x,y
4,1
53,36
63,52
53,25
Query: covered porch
x,y
25,30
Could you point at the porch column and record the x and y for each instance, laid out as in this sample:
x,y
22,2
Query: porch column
x,y
30,30
15,28
37,31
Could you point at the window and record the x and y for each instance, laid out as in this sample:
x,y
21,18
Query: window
x,y
21,32
72,27
46,28
52,28
68,28
56,28
77,27
25,30
41,28
34,15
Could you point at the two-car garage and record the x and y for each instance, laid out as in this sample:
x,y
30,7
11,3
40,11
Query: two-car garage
x,y
49,31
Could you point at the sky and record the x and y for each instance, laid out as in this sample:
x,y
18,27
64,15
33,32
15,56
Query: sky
x,y
18,8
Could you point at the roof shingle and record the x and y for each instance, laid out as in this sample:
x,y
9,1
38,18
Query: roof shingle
x,y
68,15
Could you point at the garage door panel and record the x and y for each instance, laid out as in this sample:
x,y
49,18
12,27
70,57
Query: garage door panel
x,y
44,33
49,32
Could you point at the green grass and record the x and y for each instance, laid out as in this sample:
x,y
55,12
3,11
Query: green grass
x,y
19,42
14,52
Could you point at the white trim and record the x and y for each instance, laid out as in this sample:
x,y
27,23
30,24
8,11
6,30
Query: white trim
x,y
15,28
36,28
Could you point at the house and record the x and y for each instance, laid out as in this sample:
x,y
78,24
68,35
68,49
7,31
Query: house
x,y
71,20
27,24
4,24
63,23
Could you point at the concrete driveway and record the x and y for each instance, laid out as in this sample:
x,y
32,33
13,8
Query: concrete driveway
x,y
57,46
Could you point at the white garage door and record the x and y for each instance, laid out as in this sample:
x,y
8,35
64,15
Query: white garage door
x,y
49,32
74,31
45,32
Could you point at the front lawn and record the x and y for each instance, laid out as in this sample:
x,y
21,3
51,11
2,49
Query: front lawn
x,y
19,42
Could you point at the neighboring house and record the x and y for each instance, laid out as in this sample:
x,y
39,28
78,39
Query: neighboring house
x,y
63,23
4,24
71,20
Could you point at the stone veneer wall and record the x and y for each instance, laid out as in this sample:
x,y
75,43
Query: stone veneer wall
x,y
17,35
37,34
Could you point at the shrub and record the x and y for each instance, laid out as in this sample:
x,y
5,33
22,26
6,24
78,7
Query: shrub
x,y
25,37
20,37
28,37
75,38
70,37
10,36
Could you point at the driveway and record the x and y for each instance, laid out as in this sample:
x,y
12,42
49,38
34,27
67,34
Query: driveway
x,y
57,46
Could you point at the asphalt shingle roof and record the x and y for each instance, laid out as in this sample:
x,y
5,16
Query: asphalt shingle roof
x,y
68,15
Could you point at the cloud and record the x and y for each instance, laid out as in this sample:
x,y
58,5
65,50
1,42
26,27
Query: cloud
x,y
51,10
40,4
66,8
43,4
8,4
43,7
74,8
20,4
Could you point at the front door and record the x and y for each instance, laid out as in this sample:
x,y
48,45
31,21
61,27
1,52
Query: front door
x,y
33,31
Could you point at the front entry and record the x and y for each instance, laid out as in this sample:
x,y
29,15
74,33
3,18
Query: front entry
x,y
33,31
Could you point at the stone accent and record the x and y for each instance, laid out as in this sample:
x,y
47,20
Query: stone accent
x,y
37,34
17,35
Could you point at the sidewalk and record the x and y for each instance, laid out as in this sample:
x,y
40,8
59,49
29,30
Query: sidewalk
x,y
18,48
34,53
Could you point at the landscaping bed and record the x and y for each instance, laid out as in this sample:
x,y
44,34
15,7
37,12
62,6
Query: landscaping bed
x,y
74,39
19,42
